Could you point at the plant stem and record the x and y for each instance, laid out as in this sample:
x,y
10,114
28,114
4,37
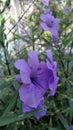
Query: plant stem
x,y
6,59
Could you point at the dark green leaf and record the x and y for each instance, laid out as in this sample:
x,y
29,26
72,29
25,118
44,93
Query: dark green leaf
x,y
15,118
10,104
63,121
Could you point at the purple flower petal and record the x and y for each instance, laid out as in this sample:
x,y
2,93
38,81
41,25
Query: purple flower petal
x,y
45,2
49,55
43,26
40,106
21,65
30,95
18,77
25,77
42,77
48,11
24,71
33,61
42,17
53,80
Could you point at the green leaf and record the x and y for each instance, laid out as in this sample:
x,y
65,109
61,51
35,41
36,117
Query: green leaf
x,y
70,65
10,104
63,121
15,84
2,81
1,18
15,118
53,129
71,109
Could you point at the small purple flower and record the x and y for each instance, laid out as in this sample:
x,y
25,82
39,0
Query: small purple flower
x,y
23,32
45,2
49,23
36,78
72,127
68,9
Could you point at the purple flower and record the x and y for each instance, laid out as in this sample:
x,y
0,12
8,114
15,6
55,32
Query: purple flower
x,y
36,78
50,23
23,32
68,9
72,127
45,2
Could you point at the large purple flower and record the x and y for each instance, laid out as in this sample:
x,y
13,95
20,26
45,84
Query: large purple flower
x,y
36,78
50,23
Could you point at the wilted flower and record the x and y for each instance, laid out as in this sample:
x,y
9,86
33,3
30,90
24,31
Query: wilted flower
x,y
54,6
36,78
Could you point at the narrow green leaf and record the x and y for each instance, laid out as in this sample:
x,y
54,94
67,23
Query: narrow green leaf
x,y
70,65
2,81
71,109
10,104
15,118
63,121
1,18
53,129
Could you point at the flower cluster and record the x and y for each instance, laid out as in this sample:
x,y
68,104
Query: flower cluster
x,y
50,23
36,78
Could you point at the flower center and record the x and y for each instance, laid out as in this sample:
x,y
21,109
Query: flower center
x,y
50,23
33,80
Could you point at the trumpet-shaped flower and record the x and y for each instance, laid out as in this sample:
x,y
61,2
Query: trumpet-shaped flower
x,y
50,23
36,78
